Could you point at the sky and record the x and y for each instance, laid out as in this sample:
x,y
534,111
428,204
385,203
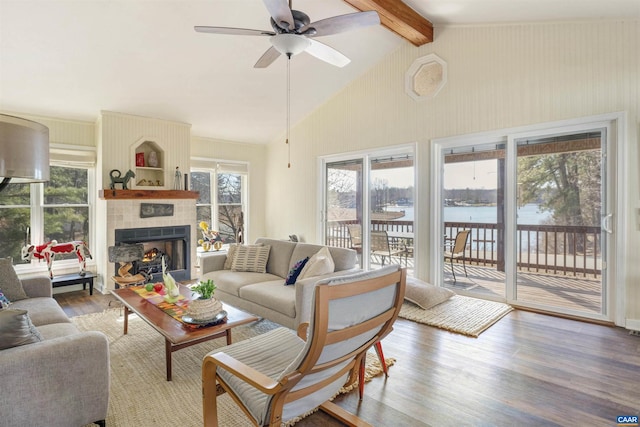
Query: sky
x,y
475,175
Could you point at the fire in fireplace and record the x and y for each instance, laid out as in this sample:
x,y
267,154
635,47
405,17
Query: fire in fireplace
x,y
171,242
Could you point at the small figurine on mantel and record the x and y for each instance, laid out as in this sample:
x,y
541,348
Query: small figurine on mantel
x,y
177,180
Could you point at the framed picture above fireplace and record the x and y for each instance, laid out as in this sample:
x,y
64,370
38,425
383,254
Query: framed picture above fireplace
x,y
148,210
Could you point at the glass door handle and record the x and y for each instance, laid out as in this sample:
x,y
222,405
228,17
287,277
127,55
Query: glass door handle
x,y
606,223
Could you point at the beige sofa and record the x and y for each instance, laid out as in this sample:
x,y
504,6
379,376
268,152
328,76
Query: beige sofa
x,y
265,294
62,380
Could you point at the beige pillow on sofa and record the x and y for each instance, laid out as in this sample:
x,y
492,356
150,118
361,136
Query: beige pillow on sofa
x,y
231,254
425,295
320,263
251,258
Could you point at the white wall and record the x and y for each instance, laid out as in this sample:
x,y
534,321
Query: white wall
x,y
498,77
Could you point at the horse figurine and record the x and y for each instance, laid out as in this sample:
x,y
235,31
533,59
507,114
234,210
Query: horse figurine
x,y
119,179
49,250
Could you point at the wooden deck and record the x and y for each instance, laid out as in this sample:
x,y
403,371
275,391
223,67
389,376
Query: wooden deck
x,y
578,294
561,291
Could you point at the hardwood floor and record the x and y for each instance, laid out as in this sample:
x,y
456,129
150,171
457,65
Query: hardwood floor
x,y
528,369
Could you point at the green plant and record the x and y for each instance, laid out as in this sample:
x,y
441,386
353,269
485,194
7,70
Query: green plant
x,y
205,289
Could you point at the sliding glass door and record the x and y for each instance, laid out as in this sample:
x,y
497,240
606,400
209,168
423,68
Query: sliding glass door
x,y
474,219
561,204
343,205
535,211
368,205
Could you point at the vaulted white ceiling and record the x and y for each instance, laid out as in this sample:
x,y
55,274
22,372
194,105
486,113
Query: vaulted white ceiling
x,y
72,58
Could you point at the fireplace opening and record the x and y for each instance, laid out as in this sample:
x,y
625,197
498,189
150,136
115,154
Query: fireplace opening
x,y
171,242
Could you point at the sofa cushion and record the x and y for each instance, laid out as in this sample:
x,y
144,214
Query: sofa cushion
x,y
319,264
280,257
230,282
272,295
9,281
16,329
57,330
295,271
42,310
251,258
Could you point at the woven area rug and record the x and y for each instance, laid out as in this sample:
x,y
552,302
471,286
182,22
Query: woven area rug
x,y
460,314
141,396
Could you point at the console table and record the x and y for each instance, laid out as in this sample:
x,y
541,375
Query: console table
x,y
75,279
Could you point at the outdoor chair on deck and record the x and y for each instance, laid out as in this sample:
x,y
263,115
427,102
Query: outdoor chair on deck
x,y
457,251
380,246
355,235
279,375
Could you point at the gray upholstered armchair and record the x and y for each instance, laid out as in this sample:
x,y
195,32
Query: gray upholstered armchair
x,y
279,375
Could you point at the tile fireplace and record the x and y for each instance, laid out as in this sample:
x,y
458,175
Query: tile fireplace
x,y
174,235
171,242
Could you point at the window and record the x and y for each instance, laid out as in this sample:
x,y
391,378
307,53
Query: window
x,y
66,207
37,213
15,218
223,196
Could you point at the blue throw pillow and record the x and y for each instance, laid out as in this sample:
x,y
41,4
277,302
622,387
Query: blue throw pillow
x,y
4,302
295,271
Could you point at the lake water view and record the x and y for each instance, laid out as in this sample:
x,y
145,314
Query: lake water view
x,y
527,214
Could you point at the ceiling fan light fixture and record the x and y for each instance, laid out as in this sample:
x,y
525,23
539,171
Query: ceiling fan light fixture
x,y
290,44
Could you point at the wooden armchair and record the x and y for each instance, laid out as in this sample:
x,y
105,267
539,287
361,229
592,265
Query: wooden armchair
x,y
279,375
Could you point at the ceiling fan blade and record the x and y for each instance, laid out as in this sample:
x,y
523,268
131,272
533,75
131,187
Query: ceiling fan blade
x,y
281,13
326,53
267,58
341,23
233,31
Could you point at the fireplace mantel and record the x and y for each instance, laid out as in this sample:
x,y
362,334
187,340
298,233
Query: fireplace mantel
x,y
147,194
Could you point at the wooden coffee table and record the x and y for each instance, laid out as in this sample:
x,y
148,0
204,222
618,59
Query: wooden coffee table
x,y
177,335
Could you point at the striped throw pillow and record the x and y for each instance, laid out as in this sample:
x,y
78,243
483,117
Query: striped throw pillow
x,y
251,258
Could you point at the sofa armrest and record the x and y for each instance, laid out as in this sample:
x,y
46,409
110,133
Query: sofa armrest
x,y
212,262
37,286
60,381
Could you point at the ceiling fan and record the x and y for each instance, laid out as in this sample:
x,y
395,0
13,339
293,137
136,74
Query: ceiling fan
x,y
293,31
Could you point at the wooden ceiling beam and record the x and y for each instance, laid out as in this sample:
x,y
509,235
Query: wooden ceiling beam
x,y
399,18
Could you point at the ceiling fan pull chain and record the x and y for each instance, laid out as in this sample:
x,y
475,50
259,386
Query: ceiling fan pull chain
x,y
288,110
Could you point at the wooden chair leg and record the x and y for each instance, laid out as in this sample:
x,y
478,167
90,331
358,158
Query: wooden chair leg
x,y
378,347
363,368
209,395
361,371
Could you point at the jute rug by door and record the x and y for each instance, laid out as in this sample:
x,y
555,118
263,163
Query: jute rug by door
x,y
460,314
141,396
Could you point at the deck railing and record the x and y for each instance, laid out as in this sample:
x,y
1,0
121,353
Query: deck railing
x,y
553,249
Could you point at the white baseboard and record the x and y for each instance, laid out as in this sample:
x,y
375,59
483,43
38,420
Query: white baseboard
x,y
633,324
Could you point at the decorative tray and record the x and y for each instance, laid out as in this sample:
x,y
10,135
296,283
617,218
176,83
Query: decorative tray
x,y
219,318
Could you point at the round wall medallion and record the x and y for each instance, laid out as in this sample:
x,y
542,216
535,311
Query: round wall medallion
x,y
426,77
